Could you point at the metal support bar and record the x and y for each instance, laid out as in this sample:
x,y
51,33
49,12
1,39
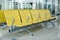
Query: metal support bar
x,y
52,22
29,32
44,25
3,27
27,19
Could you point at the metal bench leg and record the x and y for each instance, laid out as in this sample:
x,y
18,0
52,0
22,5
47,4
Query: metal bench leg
x,y
56,25
53,23
44,25
11,27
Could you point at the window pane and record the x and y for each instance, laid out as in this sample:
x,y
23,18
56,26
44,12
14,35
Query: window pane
x,y
15,5
40,5
27,5
45,6
48,0
0,6
59,8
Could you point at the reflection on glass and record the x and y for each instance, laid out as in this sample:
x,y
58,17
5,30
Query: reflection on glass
x,y
40,5
0,6
19,6
45,6
27,5
49,7
59,8
15,5
53,9
48,0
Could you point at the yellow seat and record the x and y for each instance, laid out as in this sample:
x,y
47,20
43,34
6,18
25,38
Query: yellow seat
x,y
43,15
2,17
26,17
35,16
11,15
49,15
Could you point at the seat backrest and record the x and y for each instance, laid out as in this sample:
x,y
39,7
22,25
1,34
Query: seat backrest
x,y
48,13
43,15
25,16
2,17
11,15
35,16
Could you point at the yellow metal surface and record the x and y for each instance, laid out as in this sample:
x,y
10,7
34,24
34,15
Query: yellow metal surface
x,y
10,15
43,15
49,15
35,16
26,17
2,17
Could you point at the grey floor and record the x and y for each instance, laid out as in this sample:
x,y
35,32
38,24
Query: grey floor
x,y
39,34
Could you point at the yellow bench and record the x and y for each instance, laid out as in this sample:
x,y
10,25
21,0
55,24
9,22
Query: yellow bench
x,y
35,16
2,17
26,17
11,15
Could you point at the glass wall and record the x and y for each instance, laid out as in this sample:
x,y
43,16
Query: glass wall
x,y
59,8
0,7
50,5
58,5
15,5
24,5
27,5
37,4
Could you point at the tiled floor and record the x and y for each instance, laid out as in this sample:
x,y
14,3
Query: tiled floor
x,y
39,34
